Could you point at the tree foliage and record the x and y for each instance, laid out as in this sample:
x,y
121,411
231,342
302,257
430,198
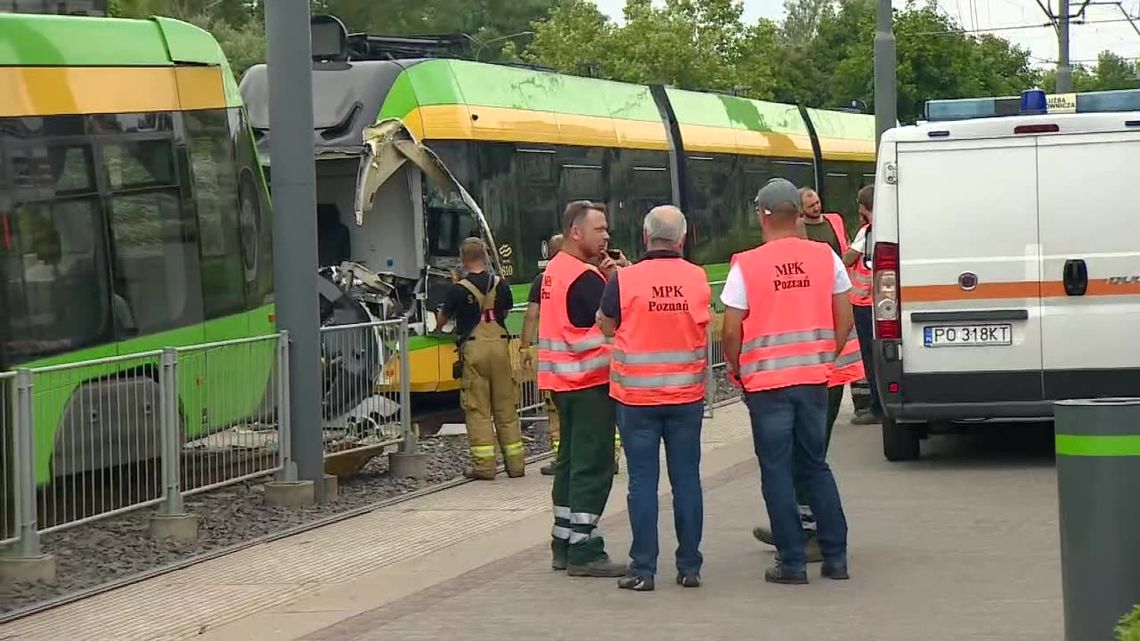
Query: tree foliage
x,y
821,54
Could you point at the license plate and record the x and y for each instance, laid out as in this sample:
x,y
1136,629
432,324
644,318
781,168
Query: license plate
x,y
968,335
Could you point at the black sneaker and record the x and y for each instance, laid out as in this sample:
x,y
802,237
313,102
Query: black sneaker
x,y
689,580
636,583
780,574
837,572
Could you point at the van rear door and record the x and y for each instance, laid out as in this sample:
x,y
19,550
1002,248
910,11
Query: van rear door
x,y
1091,263
969,276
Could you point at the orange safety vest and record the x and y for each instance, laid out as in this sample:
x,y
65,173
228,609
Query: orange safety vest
x,y
861,282
849,366
789,332
569,358
660,354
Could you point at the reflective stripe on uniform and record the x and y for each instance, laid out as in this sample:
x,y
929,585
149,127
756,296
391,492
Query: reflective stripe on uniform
x,y
513,449
849,359
659,358
584,518
577,347
483,451
560,532
787,338
788,362
578,367
561,512
658,380
582,537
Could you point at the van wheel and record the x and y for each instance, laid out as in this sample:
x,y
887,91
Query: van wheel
x,y
900,442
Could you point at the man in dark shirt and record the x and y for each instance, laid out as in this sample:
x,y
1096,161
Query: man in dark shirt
x,y
479,303
816,226
571,293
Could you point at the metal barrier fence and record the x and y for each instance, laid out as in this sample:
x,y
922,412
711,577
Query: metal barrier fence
x,y
9,515
366,388
88,440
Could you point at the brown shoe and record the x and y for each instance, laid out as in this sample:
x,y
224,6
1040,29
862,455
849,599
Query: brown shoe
x,y
478,476
547,470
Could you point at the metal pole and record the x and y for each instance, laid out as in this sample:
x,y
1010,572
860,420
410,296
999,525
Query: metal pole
x,y
1098,469
886,100
1064,69
284,425
170,434
25,446
289,48
409,444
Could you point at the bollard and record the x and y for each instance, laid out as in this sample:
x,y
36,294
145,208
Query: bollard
x,y
1098,471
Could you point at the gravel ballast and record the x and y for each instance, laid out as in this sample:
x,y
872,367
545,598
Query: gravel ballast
x,y
115,548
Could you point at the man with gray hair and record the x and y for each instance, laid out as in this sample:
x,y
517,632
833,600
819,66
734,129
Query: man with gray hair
x,y
657,377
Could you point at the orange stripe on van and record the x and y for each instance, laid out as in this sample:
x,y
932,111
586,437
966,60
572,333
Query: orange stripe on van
x,y
1018,289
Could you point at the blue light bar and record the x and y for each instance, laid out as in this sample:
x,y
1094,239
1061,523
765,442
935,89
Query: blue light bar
x,y
1033,101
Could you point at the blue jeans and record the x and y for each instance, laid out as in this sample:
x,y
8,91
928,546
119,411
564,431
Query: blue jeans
x,y
865,330
642,430
789,431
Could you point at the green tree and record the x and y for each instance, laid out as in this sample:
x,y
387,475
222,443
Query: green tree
x,y
1110,72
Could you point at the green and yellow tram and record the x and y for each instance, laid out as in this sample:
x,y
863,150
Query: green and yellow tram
x,y
134,216
523,142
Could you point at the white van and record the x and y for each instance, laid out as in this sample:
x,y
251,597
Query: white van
x,y
1006,258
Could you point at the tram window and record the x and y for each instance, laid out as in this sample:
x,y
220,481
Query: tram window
x,y
582,183
58,170
447,228
539,207
216,195
155,266
799,172
712,202
145,163
55,296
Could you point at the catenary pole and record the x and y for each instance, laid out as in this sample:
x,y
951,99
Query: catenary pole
x,y
293,178
886,100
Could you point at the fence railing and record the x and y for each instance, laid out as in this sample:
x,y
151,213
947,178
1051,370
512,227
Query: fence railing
x,y
365,387
89,440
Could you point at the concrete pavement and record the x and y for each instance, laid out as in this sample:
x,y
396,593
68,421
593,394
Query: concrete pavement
x,y
959,545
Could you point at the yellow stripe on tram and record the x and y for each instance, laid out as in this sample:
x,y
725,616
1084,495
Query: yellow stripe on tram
x,y
49,91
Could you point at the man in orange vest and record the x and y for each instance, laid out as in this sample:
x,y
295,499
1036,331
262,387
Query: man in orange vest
x,y
825,228
787,320
574,364
861,302
658,380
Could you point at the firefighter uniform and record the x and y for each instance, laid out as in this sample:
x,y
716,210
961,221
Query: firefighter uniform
x,y
489,391
574,364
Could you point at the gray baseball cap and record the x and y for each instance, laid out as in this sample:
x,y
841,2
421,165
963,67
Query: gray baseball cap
x,y
776,192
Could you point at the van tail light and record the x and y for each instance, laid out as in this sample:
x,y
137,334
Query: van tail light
x,y
885,276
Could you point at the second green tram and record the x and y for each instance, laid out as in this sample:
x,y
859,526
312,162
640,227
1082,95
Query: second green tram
x,y
524,142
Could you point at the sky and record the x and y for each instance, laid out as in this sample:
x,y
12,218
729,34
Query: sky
x,y
997,17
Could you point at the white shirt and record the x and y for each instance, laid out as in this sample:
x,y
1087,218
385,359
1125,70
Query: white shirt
x,y
859,243
734,295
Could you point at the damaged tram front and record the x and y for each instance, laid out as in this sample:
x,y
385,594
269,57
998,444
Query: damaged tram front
x,y
390,219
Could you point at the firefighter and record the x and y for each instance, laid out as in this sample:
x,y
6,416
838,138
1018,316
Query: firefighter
x,y
658,380
825,228
574,364
787,321
479,303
